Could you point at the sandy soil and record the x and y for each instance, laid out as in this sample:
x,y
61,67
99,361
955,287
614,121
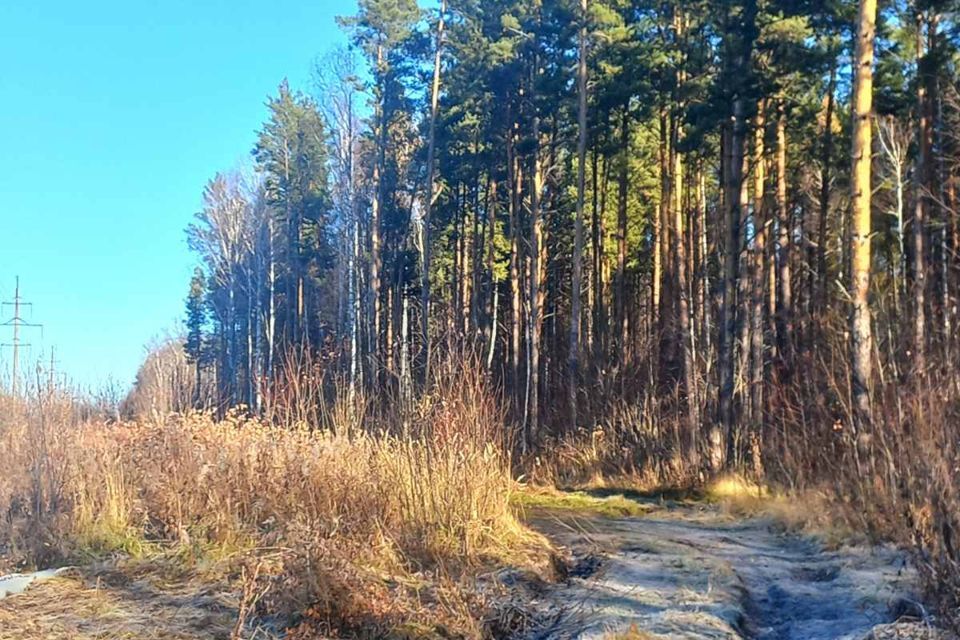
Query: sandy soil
x,y
692,572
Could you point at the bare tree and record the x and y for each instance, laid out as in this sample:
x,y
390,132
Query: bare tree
x,y
165,382
337,80
893,136
223,236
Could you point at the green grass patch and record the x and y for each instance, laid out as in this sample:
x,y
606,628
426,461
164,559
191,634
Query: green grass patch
x,y
416,631
100,540
611,506
660,495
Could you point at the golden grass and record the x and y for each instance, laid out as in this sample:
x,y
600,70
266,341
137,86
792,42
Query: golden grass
x,y
368,531
809,511
633,633
736,488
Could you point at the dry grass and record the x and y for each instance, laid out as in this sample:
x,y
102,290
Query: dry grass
x,y
805,465
809,511
126,602
633,633
736,488
624,450
908,484
897,479
366,533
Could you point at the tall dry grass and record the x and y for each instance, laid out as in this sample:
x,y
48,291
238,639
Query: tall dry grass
x,y
362,531
896,479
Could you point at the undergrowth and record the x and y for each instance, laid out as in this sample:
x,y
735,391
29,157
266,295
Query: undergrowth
x,y
366,533
549,499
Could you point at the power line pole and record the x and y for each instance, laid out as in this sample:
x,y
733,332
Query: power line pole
x,y
52,373
16,322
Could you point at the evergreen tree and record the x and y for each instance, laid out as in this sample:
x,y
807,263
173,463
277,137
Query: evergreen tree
x,y
639,197
196,321
291,153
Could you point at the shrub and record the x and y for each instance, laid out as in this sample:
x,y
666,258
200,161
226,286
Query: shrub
x,y
358,529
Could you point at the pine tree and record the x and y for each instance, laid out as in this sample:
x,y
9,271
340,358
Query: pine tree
x,y
291,153
196,321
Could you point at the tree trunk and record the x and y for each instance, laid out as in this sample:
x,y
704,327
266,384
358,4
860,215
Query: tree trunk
x,y
356,372
574,355
661,231
683,289
757,281
744,297
514,179
702,307
860,328
602,274
621,295
731,277
428,205
376,263
784,241
491,292
271,328
918,225
826,162
591,308
536,293
476,257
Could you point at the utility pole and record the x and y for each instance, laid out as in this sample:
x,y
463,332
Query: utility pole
x,y
52,373
16,322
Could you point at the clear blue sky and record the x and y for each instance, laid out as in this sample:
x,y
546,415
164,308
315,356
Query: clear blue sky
x,y
113,115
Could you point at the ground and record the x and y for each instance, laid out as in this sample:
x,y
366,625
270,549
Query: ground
x,y
694,571
657,569
121,600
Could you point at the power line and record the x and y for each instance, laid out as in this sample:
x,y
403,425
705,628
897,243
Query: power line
x,y
16,322
52,373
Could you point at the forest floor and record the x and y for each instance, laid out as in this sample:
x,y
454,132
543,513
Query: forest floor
x,y
695,570
642,569
119,599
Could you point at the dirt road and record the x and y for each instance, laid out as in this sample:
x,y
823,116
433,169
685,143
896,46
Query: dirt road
x,y
682,571
692,572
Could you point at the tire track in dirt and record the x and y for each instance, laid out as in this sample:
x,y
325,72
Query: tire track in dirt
x,y
694,573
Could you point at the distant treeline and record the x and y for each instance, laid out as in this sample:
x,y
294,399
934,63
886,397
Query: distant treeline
x,y
663,205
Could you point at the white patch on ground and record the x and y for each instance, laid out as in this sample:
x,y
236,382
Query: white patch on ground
x,y
691,573
18,582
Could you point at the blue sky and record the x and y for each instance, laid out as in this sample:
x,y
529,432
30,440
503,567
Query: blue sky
x,y
113,116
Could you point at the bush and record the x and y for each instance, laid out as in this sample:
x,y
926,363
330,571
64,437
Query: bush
x,y
357,529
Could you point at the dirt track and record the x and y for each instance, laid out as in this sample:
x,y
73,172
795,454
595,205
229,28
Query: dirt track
x,y
691,572
679,572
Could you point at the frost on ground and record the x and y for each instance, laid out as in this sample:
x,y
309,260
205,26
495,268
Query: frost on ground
x,y
682,572
691,572
15,583
106,603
